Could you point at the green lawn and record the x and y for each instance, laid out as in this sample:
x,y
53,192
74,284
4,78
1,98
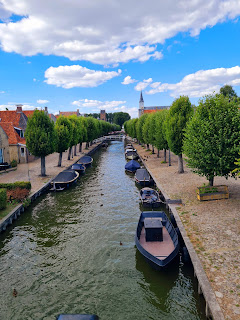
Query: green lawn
x,y
9,208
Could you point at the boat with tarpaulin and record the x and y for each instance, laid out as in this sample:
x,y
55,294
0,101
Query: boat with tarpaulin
x,y
131,155
132,166
142,177
86,161
77,317
156,239
150,197
79,167
64,180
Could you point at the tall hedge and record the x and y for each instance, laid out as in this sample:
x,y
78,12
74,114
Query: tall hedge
x,y
17,184
3,198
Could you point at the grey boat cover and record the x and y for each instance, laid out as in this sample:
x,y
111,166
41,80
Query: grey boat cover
x,y
77,317
85,160
65,176
131,152
132,165
142,175
78,166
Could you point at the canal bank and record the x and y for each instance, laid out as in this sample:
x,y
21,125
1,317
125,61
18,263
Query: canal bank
x,y
212,227
40,185
74,252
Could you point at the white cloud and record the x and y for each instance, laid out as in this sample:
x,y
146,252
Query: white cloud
x,y
128,80
1,92
143,85
77,76
200,83
13,107
42,101
105,32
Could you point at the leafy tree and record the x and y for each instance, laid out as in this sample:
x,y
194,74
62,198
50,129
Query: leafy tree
x,y
82,131
139,127
212,138
179,114
160,133
120,117
64,131
91,130
237,169
228,92
109,117
40,137
148,130
75,134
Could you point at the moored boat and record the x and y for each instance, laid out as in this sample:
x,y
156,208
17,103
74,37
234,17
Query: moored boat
x,y
131,155
86,161
142,177
150,197
79,167
64,179
77,317
156,238
132,166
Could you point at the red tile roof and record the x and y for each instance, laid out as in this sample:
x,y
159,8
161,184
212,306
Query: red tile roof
x,y
10,116
66,114
13,137
28,113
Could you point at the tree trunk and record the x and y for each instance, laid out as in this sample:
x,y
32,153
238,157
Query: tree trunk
x,y
158,153
75,150
165,155
60,159
80,147
180,164
211,181
72,153
86,147
43,168
147,146
69,152
169,158
153,150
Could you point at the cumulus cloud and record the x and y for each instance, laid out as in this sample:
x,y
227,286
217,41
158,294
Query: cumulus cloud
x,y
12,106
128,80
42,101
105,32
200,83
77,76
143,85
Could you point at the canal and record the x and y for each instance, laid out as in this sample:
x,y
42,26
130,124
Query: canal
x,y
74,252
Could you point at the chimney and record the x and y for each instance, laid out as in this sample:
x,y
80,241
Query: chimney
x,y
19,108
78,114
46,110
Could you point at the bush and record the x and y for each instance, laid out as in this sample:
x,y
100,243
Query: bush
x,y
3,198
13,163
17,184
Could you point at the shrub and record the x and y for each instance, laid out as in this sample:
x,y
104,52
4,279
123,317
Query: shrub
x,y
13,163
17,184
3,198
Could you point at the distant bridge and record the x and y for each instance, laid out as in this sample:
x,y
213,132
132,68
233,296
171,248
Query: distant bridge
x,y
116,137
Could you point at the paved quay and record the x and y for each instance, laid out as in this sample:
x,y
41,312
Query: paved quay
x,y
212,226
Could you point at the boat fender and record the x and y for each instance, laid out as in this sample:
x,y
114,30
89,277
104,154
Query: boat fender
x,y
173,220
185,256
180,238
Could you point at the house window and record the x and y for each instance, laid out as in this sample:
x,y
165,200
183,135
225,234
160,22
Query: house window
x,y
22,150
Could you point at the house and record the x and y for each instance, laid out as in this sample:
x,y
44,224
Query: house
x,y
29,113
69,113
142,109
4,147
14,123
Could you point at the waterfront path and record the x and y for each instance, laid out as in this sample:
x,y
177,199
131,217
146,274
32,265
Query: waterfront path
x,y
212,226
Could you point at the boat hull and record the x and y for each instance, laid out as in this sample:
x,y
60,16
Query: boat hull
x,y
152,259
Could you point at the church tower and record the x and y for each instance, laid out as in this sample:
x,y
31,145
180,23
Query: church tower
x,y
141,105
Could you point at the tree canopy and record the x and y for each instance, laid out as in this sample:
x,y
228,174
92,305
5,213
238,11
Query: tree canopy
x,y
228,92
212,138
120,117
40,136
64,131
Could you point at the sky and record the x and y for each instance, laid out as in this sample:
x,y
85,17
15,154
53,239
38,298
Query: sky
x,y
100,54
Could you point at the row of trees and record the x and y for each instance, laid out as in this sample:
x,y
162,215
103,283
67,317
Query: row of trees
x,y
117,117
43,137
208,135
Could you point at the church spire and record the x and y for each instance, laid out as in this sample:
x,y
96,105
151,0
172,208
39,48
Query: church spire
x,y
141,97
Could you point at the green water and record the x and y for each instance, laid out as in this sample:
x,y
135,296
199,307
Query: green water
x,y
64,255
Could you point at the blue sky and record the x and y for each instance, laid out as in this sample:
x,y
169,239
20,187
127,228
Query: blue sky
x,y
92,55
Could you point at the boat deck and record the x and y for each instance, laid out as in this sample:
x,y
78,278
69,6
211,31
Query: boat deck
x,y
159,249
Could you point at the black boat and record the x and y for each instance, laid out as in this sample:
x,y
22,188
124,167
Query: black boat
x,y
64,179
77,317
150,197
132,166
86,161
142,177
79,167
156,239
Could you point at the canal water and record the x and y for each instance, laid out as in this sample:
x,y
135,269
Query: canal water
x,y
74,252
